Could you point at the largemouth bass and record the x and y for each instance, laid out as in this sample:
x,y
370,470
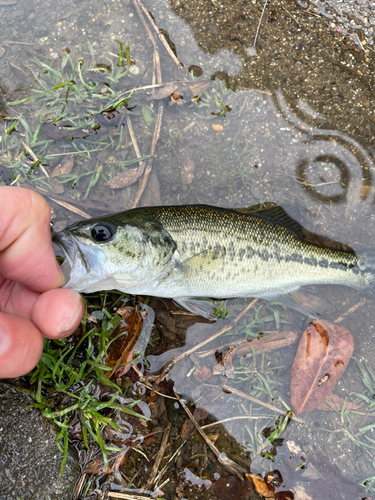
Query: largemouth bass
x,y
198,251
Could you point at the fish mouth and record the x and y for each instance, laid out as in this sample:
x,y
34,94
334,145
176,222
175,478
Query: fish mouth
x,y
68,249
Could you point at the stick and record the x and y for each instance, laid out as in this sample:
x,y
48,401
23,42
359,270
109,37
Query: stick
x,y
221,457
161,36
34,157
70,207
260,22
177,452
126,496
156,50
216,335
152,152
241,394
269,341
142,186
171,363
349,311
133,138
159,458
291,15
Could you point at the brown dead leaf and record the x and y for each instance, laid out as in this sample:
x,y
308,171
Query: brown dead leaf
x,y
64,168
126,178
261,487
202,374
200,414
96,466
183,90
322,356
164,91
150,440
188,428
232,488
57,188
121,350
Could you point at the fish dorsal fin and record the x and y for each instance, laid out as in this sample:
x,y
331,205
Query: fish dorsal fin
x,y
276,215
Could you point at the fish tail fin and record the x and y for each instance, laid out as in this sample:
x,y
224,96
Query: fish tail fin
x,y
366,266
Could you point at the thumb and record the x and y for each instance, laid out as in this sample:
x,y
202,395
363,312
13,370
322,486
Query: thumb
x,y
21,345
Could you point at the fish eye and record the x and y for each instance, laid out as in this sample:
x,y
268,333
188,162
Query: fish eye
x,y
102,232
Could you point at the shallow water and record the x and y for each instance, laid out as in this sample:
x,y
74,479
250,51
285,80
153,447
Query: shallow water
x,y
293,124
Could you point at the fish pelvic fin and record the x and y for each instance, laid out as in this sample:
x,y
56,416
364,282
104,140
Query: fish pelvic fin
x,y
204,308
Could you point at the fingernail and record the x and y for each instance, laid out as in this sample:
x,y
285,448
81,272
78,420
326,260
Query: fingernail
x,y
74,318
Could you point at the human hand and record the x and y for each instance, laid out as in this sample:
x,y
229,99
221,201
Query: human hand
x,y
31,305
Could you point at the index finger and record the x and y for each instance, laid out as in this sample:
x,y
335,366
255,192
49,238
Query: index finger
x,y
26,253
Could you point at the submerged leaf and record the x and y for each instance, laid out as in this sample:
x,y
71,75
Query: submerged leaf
x,y
126,178
124,340
322,356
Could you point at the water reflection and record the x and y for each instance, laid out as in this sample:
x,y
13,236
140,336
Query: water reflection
x,y
336,150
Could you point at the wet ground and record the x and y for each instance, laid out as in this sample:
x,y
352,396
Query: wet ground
x,y
286,116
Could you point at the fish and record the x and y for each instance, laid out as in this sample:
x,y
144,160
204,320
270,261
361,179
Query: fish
x,y
191,253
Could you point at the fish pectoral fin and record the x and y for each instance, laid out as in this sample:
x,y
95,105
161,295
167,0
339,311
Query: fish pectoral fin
x,y
206,261
287,300
203,308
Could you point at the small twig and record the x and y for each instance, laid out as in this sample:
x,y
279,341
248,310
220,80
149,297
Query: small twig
x,y
126,496
150,388
81,480
73,152
291,15
260,22
34,157
133,138
70,207
351,310
152,152
161,36
137,5
163,484
270,340
159,458
216,335
241,394
162,472
172,362
143,183
18,43
188,127
221,457
19,69
242,417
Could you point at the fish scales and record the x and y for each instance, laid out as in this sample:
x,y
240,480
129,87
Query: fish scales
x,y
254,257
202,251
